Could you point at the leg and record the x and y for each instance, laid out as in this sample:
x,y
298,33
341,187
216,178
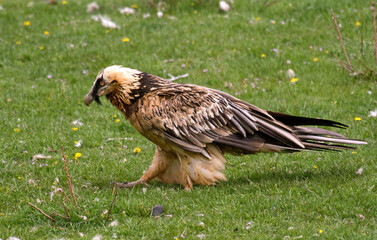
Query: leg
x,y
159,164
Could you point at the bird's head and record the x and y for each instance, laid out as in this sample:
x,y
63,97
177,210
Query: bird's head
x,y
112,79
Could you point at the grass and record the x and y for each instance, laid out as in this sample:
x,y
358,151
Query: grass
x,y
267,196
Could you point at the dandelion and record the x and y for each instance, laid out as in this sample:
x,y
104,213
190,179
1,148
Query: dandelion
x,y
320,231
77,155
114,116
358,23
357,118
75,128
263,55
64,2
46,33
18,43
27,23
315,59
42,48
125,39
137,150
257,19
293,80
315,166
17,130
19,178
134,5
117,120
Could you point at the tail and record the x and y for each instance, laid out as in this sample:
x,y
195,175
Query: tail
x,y
317,138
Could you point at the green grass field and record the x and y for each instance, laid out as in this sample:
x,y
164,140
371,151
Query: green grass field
x,y
51,54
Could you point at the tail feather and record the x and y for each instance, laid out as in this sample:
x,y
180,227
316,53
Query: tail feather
x,y
300,121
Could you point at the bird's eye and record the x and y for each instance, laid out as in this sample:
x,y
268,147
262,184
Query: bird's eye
x,y
102,83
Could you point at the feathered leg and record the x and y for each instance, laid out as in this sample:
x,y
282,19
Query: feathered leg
x,y
159,164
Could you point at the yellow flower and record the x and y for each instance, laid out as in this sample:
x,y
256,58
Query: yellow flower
x,y
263,55
134,5
2,214
354,152
315,167
18,43
17,130
27,23
320,231
294,80
117,120
137,150
327,51
46,33
257,18
42,48
234,50
114,115
107,31
64,2
357,118
75,129
76,142
358,23
77,155
125,39
315,59
19,178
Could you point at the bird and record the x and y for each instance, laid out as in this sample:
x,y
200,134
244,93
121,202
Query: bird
x,y
194,126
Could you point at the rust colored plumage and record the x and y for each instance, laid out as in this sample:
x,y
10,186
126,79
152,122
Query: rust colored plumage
x,y
193,126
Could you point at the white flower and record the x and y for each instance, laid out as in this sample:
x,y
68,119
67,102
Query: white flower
x,y
160,14
201,224
146,15
91,7
97,237
77,123
105,21
114,223
81,234
127,10
13,238
290,73
78,143
360,171
224,6
373,113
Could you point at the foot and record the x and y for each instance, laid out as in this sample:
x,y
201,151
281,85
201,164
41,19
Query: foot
x,y
131,184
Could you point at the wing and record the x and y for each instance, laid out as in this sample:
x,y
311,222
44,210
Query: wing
x,y
191,117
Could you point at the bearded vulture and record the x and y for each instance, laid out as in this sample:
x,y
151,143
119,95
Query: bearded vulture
x,y
193,126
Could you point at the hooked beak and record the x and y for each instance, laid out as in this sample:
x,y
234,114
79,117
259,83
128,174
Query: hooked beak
x,y
89,99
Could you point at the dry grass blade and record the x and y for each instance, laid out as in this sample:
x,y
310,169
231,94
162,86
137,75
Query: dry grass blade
x,y
375,30
115,196
341,41
69,179
39,210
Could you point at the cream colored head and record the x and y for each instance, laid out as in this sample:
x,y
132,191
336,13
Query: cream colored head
x,y
111,79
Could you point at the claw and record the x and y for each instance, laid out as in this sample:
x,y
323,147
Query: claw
x,y
132,184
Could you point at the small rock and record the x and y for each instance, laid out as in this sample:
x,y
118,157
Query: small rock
x,y
157,211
